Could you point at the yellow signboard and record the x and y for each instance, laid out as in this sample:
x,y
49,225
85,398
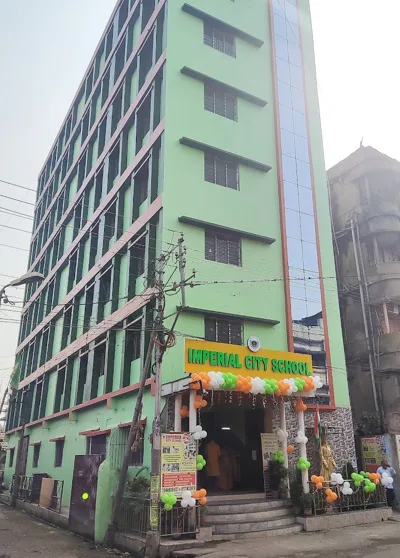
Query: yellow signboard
x,y
205,356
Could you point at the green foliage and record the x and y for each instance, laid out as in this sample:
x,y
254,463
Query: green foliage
x,y
277,474
137,486
296,493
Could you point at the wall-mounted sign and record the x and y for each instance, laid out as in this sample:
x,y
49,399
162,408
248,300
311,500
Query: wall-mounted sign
x,y
205,356
178,462
269,446
373,451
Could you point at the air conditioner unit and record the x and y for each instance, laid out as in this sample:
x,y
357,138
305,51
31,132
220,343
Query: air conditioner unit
x,y
392,309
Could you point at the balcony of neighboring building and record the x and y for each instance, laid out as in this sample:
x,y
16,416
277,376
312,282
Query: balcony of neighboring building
x,y
382,268
387,338
380,221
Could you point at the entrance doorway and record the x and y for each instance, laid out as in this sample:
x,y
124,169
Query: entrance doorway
x,y
236,431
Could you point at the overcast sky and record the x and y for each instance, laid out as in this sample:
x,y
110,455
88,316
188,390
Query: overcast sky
x,y
45,47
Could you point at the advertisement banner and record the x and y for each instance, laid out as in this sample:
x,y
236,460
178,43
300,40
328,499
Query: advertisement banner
x,y
178,462
373,451
269,446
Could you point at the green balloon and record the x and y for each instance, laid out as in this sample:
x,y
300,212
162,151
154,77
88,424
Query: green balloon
x,y
357,483
173,499
168,507
164,498
308,464
199,458
200,466
354,476
362,473
281,459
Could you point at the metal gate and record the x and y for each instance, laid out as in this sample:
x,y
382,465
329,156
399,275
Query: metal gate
x,y
83,494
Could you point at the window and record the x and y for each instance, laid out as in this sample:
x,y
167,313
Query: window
x,y
36,454
59,453
97,445
224,173
11,459
220,101
223,331
222,248
219,39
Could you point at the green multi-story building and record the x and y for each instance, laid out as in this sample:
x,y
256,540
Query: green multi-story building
x,y
198,117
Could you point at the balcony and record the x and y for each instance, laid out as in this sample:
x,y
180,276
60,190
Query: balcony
x,y
382,221
384,282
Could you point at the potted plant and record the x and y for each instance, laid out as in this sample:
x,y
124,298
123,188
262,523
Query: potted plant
x,y
307,502
277,473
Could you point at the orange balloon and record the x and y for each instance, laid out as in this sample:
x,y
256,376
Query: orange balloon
x,y
321,479
184,411
328,500
204,403
290,449
203,493
319,485
197,404
334,496
300,406
314,478
196,494
203,501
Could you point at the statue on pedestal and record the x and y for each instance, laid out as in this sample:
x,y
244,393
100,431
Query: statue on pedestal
x,y
328,463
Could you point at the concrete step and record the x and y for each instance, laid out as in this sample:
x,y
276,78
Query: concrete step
x,y
246,516
245,506
235,497
272,532
251,526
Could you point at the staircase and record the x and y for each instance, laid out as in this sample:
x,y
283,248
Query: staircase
x,y
247,515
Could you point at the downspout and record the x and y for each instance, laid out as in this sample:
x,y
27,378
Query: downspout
x,y
370,357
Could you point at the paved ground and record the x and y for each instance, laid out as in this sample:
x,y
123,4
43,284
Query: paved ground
x,y
21,536
375,541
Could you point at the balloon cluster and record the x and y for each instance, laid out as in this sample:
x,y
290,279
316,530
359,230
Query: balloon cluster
x,y
199,402
386,479
184,411
358,478
199,433
200,462
278,457
301,438
346,489
169,500
369,486
201,380
300,406
374,477
187,500
231,382
200,495
318,481
336,478
330,496
303,464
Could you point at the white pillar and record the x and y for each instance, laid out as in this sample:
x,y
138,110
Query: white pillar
x,y
178,418
192,411
303,451
282,420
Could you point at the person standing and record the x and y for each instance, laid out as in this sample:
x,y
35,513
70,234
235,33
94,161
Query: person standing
x,y
213,453
386,468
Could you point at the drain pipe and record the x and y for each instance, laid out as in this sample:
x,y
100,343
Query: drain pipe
x,y
370,357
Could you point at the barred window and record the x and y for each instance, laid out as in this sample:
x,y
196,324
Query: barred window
x,y
220,101
222,248
219,39
218,171
223,331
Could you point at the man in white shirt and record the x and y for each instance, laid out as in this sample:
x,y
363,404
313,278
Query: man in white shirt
x,y
386,468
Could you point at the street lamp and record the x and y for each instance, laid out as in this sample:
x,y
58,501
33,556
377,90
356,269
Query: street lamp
x,y
26,279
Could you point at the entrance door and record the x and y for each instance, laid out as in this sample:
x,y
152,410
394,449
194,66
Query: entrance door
x,y
254,425
83,494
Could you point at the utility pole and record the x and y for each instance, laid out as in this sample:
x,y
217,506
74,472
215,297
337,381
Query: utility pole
x,y
159,344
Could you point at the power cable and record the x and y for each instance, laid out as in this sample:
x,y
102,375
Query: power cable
x,y
18,186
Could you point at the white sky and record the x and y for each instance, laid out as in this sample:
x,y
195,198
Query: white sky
x,y
46,45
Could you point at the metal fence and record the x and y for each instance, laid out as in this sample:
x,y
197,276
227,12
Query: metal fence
x,y
24,487
56,498
358,500
134,517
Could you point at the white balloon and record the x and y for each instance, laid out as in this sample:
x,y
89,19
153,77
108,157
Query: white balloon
x,y
186,495
317,382
184,503
257,386
339,478
281,435
301,438
197,435
197,428
203,434
192,502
